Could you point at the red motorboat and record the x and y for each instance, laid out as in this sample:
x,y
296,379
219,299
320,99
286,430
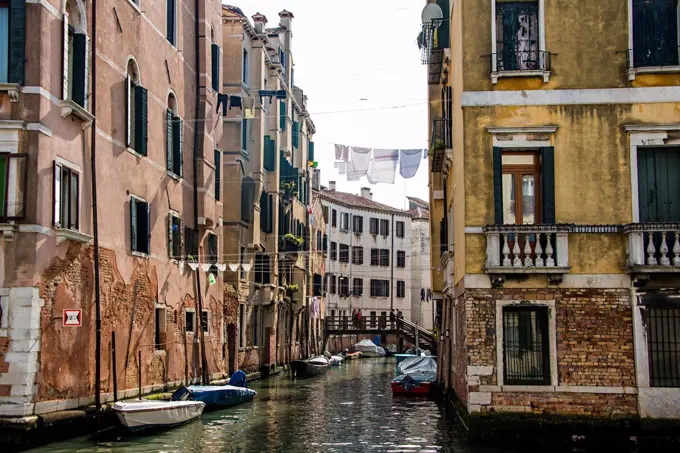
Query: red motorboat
x,y
399,387
415,376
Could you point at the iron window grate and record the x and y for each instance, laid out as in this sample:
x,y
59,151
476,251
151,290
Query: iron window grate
x,y
663,338
526,351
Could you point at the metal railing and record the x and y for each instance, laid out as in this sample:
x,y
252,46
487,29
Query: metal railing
x,y
663,328
659,57
521,60
403,328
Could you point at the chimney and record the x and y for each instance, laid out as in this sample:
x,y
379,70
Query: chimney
x,y
286,19
366,193
260,22
331,185
316,179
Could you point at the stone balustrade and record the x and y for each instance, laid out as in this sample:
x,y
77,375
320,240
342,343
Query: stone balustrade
x,y
653,247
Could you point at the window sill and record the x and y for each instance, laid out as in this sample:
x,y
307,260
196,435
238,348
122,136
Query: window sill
x,y
70,107
12,90
8,230
174,175
160,352
510,74
146,256
134,153
633,72
63,234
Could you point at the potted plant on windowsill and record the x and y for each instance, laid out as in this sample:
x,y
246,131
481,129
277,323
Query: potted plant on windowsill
x,y
292,289
288,192
292,243
438,145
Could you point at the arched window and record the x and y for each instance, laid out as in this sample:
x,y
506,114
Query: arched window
x,y
75,54
175,138
135,110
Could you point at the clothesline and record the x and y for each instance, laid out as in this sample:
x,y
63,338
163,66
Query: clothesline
x,y
378,165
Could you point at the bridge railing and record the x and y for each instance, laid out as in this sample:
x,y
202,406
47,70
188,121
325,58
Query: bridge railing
x,y
347,323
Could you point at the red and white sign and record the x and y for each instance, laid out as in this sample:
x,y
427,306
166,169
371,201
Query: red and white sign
x,y
73,318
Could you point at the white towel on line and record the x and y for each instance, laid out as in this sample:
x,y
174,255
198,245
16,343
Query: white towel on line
x,y
410,161
338,152
358,166
342,167
383,166
345,153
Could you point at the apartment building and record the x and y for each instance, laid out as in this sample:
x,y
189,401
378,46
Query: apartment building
x,y
554,208
423,308
143,113
267,146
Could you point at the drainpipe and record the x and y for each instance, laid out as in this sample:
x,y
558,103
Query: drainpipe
x,y
204,362
392,267
95,223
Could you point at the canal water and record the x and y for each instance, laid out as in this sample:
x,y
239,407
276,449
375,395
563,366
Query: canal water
x,y
350,409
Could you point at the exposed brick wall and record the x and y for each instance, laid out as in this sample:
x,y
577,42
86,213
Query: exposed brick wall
x,y
480,338
460,382
4,347
578,404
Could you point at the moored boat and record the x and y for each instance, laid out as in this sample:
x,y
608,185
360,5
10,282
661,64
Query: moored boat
x,y
139,415
218,396
415,376
308,368
369,349
352,356
336,360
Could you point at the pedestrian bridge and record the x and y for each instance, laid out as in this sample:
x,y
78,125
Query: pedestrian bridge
x,y
403,329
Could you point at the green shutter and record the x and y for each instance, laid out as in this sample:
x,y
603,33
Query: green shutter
x,y
263,211
215,67
269,154
296,140
247,198
17,40
270,214
497,186
311,151
3,185
443,41
133,224
282,115
127,110
218,175
79,68
169,133
141,120
548,184
178,146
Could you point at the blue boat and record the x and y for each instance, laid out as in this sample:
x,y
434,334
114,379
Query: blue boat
x,y
218,396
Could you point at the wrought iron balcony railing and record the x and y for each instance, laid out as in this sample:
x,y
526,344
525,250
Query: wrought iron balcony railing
x,y
521,61
441,141
656,57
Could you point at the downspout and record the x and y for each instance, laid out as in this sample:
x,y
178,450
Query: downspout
x,y
204,362
95,223
392,267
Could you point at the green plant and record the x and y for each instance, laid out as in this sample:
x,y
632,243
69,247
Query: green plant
x,y
293,288
296,240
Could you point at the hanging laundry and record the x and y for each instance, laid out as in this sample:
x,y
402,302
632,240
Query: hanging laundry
x,y
338,152
271,94
281,94
383,166
358,166
425,154
345,153
233,267
222,101
235,101
342,167
410,161
249,114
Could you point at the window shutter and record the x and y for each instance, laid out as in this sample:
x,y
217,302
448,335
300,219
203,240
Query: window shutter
x,y
133,224
282,116
311,151
79,76
148,228
548,184
218,175
269,154
443,30
169,134
497,186
263,211
270,214
17,41
56,191
178,146
64,68
128,124
247,198
170,241
215,67
170,22
141,120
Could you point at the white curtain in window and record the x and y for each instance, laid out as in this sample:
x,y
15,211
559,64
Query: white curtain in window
x,y
4,45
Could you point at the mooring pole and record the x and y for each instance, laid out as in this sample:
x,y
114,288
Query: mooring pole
x,y
139,372
115,369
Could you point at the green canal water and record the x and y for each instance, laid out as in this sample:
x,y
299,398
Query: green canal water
x,y
350,409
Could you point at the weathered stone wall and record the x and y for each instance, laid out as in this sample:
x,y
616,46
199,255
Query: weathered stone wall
x,y
575,404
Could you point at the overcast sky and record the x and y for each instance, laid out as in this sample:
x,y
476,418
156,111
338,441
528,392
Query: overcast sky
x,y
352,50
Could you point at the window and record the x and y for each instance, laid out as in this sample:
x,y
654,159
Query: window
x,y
4,42
521,184
358,287
385,257
190,320
75,54
655,33
13,173
266,212
358,224
344,221
215,57
66,196
401,258
136,134
318,285
244,135
175,138
218,175
344,253
401,288
380,288
334,218
358,255
191,239
334,251
160,326
256,325
247,199
262,269
171,13
241,326
325,243
205,322
517,37
344,286
526,352
175,237
283,114
374,226
400,229
212,254
384,227
319,241
375,257
245,66
663,341
140,225
332,284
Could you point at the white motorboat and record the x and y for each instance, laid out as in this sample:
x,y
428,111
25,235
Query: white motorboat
x,y
137,415
369,349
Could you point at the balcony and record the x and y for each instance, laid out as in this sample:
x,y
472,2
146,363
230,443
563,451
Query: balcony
x,y
527,249
521,63
653,247
440,142
657,60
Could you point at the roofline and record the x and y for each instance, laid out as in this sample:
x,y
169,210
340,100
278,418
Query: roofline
x,y
394,211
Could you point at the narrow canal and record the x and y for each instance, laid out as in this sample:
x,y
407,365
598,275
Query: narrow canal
x,y
351,409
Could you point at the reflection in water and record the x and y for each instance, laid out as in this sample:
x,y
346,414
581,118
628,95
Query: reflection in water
x,y
351,409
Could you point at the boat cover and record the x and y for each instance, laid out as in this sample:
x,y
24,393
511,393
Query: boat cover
x,y
318,361
367,345
420,366
238,379
220,395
